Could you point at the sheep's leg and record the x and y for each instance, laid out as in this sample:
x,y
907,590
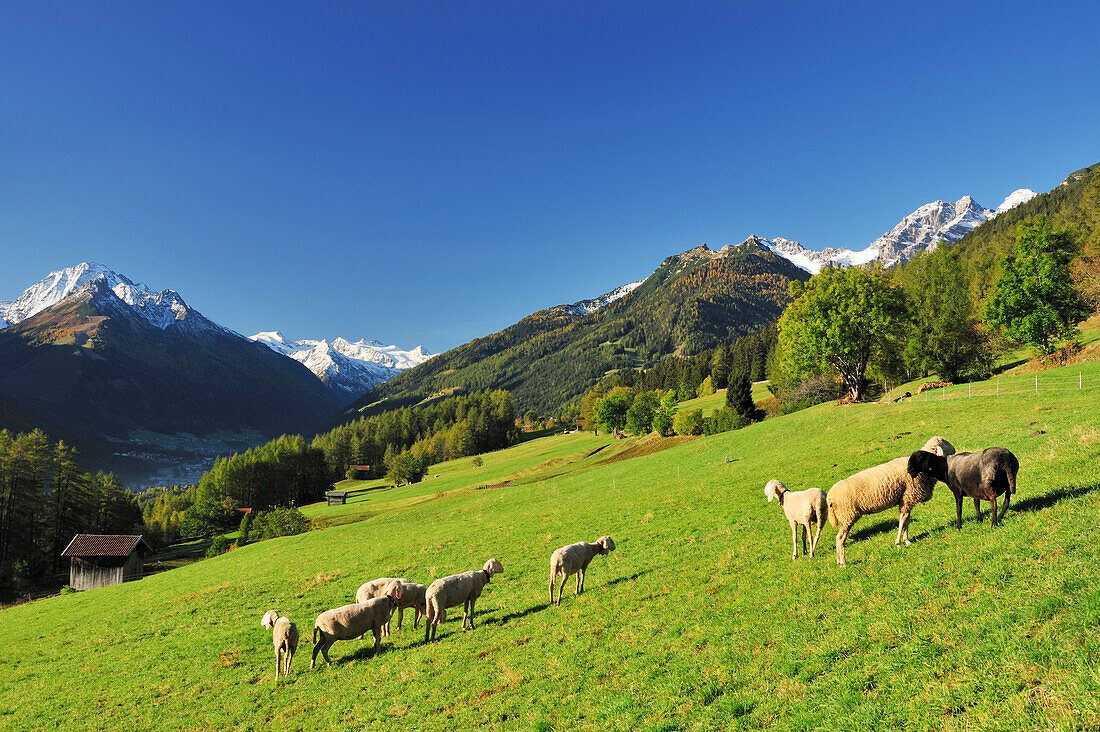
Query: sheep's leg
x,y
324,650
813,543
316,648
552,580
959,511
561,590
977,508
377,641
289,656
805,534
903,528
841,537
465,613
580,573
1004,508
472,602
400,617
794,540
278,661
580,576
993,513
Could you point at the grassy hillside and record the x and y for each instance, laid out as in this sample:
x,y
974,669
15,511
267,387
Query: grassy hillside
x,y
698,621
693,301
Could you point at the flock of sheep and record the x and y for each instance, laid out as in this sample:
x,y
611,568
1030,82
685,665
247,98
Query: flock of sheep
x,y
902,482
376,601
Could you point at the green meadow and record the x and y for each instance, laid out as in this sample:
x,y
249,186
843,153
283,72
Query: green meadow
x,y
699,619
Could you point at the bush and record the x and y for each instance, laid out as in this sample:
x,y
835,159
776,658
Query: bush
x,y
815,390
278,522
477,461
724,420
67,590
688,423
220,545
246,526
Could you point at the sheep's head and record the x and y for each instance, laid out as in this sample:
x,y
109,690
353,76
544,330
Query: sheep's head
x,y
493,567
269,619
393,589
927,463
774,489
606,545
939,446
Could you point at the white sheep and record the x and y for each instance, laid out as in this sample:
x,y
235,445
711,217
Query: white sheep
x,y
801,508
353,621
457,589
575,559
412,596
879,488
284,635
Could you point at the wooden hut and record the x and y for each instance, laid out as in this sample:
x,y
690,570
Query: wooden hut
x,y
337,498
104,559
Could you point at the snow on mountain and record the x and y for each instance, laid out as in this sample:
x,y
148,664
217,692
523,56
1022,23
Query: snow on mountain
x,y
587,306
1014,199
919,231
348,368
159,309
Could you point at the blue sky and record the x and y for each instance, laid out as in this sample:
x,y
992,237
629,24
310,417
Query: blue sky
x,y
432,172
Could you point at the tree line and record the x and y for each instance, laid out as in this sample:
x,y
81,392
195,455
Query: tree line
x,y
45,500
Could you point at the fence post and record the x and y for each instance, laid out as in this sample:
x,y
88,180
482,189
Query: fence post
x,y
998,386
944,394
1080,383
969,390
1036,383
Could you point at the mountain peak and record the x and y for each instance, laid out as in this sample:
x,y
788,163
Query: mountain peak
x,y
1014,199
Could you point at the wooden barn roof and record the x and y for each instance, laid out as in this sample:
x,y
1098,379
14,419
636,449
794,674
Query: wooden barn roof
x,y
104,545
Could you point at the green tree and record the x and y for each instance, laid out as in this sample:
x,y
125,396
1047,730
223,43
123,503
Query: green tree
x,y
640,416
405,468
688,423
739,395
838,322
944,335
1034,299
611,410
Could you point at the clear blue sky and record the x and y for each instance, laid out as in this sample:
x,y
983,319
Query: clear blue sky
x,y
425,172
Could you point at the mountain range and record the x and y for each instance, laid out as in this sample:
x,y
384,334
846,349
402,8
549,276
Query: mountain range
x,y
347,368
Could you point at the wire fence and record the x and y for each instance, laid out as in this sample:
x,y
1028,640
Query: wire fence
x,y
1009,385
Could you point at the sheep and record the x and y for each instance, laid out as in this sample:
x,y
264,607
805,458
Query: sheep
x,y
353,621
284,635
983,475
457,589
574,559
412,596
877,489
801,508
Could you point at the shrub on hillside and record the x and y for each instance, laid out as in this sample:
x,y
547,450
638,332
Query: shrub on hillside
x,y
724,420
815,390
688,423
278,522
220,545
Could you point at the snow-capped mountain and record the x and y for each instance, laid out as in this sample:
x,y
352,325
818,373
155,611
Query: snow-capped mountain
x,y
919,231
159,309
349,369
587,306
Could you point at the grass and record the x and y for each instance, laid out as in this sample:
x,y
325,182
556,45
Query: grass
x,y
699,620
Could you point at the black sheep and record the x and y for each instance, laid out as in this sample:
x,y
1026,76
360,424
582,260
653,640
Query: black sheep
x,y
979,475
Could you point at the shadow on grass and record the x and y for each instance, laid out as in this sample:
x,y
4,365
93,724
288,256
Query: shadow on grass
x,y
889,526
1038,503
627,578
504,619
361,654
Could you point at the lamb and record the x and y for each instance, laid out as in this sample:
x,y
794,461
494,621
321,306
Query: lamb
x,y
574,559
353,621
983,475
801,508
284,635
879,488
457,589
412,596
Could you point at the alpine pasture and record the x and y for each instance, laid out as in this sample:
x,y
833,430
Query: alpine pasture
x,y
698,620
